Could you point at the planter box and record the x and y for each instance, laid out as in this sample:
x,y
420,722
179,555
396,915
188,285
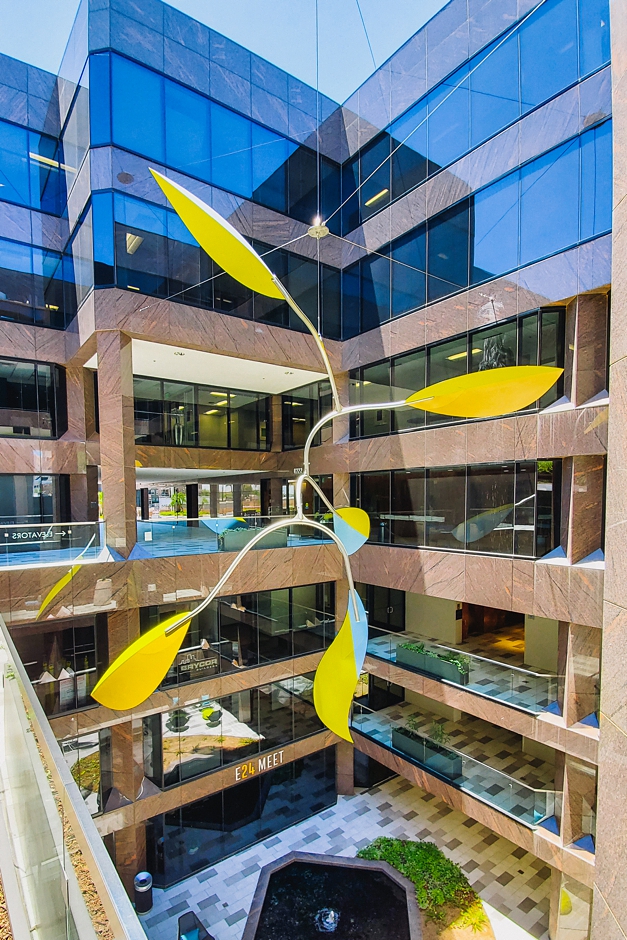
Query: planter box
x,y
433,666
430,755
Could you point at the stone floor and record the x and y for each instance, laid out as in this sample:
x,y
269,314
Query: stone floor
x,y
513,883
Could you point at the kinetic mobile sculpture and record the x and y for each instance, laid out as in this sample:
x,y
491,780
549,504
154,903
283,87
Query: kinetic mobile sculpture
x,y
137,672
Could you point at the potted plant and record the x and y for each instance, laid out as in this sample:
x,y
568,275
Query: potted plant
x,y
411,654
429,750
450,665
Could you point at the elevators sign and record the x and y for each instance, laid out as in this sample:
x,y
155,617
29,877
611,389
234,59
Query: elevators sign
x,y
258,765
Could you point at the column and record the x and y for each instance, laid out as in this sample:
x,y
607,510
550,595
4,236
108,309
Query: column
x,y
341,425
77,380
583,480
130,854
117,438
609,912
341,490
276,424
214,494
344,772
191,502
581,666
585,372
237,499
123,629
579,799
144,502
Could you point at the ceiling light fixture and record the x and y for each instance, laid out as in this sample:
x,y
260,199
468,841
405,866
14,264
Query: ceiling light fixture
x,y
376,198
132,243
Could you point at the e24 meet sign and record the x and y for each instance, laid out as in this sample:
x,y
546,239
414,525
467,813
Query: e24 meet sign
x,y
260,765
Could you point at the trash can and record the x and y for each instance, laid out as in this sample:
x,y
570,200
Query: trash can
x,y
143,892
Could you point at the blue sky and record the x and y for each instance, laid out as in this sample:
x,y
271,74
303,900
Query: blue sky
x,y
282,31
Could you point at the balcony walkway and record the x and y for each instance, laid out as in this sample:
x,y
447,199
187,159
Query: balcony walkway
x,y
507,681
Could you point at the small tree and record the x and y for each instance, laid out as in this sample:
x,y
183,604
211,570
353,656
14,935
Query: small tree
x,y
177,502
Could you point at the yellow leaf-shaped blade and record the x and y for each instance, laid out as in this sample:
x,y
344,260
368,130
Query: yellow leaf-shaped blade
x,y
487,394
338,671
137,671
219,239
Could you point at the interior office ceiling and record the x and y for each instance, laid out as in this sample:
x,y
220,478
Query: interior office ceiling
x,y
204,368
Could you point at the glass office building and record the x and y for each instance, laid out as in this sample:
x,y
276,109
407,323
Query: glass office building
x,y
467,188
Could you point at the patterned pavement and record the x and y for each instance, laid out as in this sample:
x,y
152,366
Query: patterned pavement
x,y
513,883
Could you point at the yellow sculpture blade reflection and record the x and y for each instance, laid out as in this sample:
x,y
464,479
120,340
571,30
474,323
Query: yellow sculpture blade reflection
x,y
137,672
219,239
487,394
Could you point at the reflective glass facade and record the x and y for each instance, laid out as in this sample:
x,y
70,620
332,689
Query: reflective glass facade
x,y
192,837
250,630
195,740
32,399
535,338
559,44
501,509
179,414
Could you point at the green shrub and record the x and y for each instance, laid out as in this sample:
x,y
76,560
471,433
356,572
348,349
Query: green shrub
x,y
440,883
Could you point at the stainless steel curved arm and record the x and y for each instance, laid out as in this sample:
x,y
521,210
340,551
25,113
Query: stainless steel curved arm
x,y
275,527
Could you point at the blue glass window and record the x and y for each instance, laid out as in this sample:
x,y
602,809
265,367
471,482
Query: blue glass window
x,y
409,277
494,245
375,292
350,301
494,90
596,176
14,164
100,99
409,162
448,251
187,126
270,155
549,203
594,35
104,247
350,182
548,52
138,108
449,129
375,176
230,151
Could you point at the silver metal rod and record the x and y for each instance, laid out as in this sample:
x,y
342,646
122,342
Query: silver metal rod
x,y
318,339
275,527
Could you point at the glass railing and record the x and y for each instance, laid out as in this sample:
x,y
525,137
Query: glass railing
x,y
531,691
491,786
52,543
47,830
182,536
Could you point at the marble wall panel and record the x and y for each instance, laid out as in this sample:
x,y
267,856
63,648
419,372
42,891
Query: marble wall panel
x,y
136,39
551,595
548,126
408,73
446,318
586,595
613,700
611,875
185,65
230,88
489,581
583,664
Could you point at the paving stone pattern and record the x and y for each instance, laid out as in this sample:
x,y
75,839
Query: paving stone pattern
x,y
513,882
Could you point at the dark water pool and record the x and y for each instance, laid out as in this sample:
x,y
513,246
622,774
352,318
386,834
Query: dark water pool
x,y
302,898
